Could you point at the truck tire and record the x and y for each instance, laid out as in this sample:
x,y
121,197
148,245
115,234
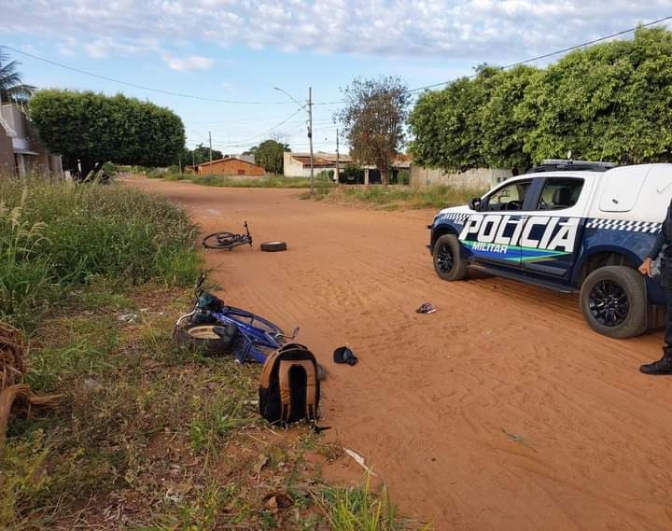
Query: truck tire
x,y
448,262
273,247
613,302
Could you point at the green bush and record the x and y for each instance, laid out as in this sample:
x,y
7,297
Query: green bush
x,y
352,174
54,235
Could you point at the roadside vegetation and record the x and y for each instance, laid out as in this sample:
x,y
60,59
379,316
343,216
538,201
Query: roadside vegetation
x,y
56,236
392,197
397,197
259,182
224,181
149,436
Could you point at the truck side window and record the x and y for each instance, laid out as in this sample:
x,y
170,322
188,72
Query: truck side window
x,y
559,193
509,197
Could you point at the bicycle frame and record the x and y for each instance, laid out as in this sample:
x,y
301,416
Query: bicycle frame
x,y
252,337
227,240
242,239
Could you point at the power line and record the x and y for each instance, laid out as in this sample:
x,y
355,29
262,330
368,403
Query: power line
x,y
337,102
143,87
247,141
557,52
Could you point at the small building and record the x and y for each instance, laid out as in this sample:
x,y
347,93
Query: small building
x,y
298,164
21,150
230,166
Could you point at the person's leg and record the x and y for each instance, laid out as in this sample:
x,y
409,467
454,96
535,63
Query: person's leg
x,y
663,365
668,320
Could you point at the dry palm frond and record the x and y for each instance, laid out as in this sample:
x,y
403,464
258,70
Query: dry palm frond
x,y
15,395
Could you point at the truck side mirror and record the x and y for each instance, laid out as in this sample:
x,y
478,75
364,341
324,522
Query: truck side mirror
x,y
475,204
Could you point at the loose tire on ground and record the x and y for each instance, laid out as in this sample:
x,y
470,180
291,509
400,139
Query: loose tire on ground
x,y
448,261
613,302
273,247
203,338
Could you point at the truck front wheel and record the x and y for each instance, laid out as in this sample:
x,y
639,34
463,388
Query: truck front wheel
x,y
448,262
613,302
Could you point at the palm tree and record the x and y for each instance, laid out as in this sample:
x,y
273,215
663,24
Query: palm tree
x,y
11,87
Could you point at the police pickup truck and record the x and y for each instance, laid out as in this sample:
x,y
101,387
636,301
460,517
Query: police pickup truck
x,y
572,227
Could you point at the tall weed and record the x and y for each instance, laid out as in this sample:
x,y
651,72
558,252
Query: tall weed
x,y
24,271
55,234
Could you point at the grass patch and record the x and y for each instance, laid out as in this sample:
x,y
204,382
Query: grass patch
x,y
260,182
227,181
56,235
360,509
151,436
395,197
156,437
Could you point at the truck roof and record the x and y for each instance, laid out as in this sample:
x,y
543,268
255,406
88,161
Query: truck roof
x,y
549,165
635,169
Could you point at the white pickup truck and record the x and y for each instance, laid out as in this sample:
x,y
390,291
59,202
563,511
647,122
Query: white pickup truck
x,y
567,230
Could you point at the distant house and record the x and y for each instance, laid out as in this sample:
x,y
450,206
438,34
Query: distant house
x,y
298,165
21,150
230,166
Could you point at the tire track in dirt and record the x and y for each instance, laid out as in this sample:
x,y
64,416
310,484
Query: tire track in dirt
x,y
503,410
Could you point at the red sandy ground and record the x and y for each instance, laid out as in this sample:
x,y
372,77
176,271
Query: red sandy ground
x,y
502,411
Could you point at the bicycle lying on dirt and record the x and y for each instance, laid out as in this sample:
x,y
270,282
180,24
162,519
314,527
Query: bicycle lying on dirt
x,y
216,328
227,240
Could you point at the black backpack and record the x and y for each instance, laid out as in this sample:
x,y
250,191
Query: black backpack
x,y
289,389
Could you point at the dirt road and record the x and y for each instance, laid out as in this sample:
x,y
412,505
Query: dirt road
x,y
502,411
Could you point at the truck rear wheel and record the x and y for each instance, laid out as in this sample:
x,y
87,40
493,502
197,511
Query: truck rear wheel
x,y
613,302
448,261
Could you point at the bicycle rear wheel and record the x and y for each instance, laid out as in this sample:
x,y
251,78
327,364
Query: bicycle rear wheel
x,y
203,338
220,240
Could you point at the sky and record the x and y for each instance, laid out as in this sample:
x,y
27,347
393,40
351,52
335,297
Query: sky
x,y
222,61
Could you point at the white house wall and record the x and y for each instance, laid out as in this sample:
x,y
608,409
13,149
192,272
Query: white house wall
x,y
293,168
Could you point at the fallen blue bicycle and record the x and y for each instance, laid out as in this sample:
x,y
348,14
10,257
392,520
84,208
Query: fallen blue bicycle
x,y
215,328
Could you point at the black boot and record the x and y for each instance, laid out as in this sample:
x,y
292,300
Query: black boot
x,y
662,366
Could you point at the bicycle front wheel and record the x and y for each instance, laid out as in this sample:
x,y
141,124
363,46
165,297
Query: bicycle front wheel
x,y
219,240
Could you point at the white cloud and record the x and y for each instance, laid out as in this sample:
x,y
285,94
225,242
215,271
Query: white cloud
x,y
106,46
454,29
193,62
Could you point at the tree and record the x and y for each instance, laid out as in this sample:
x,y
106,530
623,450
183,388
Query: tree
x,y
600,103
11,87
606,101
447,126
270,155
503,128
373,121
199,155
92,129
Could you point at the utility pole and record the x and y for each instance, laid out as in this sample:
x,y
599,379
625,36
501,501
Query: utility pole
x,y
210,138
337,159
310,134
193,160
179,163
